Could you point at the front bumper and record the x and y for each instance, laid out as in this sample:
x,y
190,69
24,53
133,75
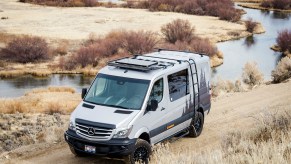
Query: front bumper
x,y
113,147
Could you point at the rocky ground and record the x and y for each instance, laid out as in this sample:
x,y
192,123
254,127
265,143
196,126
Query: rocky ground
x,y
23,129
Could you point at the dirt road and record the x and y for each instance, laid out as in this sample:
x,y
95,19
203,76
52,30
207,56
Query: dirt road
x,y
229,113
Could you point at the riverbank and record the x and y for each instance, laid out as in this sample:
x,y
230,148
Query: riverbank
x,y
74,25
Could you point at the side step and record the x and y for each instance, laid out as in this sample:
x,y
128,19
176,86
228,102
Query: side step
x,y
180,135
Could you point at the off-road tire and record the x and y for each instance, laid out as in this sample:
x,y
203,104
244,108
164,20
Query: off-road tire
x,y
141,146
196,126
78,153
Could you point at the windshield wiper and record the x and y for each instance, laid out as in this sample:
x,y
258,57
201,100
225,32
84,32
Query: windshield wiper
x,y
118,106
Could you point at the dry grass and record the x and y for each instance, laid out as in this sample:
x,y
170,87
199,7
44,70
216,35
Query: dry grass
x,y
89,71
39,73
221,87
54,107
11,74
50,100
22,129
267,142
52,89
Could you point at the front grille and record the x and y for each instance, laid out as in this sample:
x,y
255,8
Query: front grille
x,y
93,130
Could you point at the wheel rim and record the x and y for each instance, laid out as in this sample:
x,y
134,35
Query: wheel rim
x,y
140,154
197,124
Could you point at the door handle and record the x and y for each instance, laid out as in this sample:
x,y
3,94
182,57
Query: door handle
x,y
163,108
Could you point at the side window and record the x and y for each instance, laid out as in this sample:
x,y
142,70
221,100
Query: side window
x,y
178,84
157,90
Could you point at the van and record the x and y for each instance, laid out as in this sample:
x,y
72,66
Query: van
x,y
136,102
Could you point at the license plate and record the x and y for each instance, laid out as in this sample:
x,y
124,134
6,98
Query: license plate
x,y
90,149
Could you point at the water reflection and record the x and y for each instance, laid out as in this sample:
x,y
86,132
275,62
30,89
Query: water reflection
x,y
250,41
27,82
280,15
18,86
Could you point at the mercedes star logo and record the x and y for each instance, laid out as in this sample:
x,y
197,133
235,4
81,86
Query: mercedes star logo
x,y
91,131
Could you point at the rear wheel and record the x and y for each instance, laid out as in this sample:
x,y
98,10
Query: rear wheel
x,y
196,125
141,153
78,153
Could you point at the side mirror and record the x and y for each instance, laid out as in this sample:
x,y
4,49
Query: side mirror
x,y
154,105
84,91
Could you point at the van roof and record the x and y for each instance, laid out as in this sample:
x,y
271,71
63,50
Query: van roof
x,y
152,65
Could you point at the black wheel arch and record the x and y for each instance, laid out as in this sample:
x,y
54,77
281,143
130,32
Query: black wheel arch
x,y
145,136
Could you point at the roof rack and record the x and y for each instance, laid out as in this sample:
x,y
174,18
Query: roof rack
x,y
186,51
139,63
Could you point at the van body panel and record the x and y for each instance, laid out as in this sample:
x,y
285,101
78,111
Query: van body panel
x,y
186,88
101,113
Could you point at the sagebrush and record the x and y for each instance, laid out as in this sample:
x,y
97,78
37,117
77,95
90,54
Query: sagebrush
x,y
252,75
224,9
178,30
277,4
250,25
26,49
282,70
284,40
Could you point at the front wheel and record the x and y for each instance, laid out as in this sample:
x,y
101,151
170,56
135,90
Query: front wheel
x,y
196,125
141,153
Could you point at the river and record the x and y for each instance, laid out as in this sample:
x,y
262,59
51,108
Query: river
x,y
236,54
255,48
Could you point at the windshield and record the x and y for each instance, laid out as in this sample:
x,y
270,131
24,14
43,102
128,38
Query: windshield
x,y
118,92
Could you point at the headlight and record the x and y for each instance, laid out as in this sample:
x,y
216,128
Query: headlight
x,y
122,133
72,126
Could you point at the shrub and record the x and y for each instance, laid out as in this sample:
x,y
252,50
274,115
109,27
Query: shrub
x,y
90,3
178,30
62,48
277,4
26,49
198,45
281,4
266,3
224,9
139,42
284,40
66,63
87,56
222,86
229,14
251,74
282,71
250,25
201,45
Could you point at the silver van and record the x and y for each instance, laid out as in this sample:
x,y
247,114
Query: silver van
x,y
139,101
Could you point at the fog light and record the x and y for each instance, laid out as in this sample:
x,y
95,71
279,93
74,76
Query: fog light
x,y
67,138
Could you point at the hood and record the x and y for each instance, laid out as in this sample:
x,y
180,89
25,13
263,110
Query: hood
x,y
104,114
